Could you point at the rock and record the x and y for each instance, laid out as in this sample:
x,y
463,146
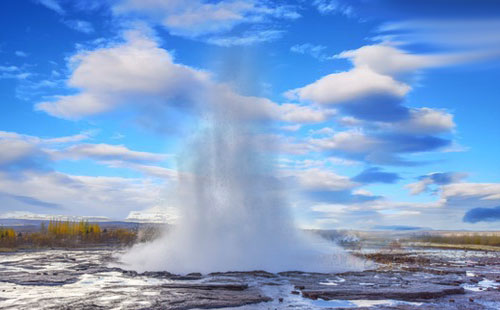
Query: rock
x,y
209,287
406,294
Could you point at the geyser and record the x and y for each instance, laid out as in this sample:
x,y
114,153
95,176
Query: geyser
x,y
233,211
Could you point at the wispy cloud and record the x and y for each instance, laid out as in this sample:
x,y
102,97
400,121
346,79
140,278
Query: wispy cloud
x,y
80,25
333,6
211,21
53,5
21,54
316,51
247,38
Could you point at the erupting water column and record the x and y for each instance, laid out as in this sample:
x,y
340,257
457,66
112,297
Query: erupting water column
x,y
234,216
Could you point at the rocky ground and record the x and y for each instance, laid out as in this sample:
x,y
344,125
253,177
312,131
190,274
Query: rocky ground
x,y
403,279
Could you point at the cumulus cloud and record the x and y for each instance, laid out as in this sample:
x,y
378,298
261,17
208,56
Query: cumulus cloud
x,y
389,60
357,86
139,74
111,76
370,100
374,89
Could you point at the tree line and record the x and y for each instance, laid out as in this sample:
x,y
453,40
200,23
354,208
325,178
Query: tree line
x,y
58,233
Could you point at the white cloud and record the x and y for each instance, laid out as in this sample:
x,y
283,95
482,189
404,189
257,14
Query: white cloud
x,y
481,192
21,54
353,141
137,69
106,152
78,195
53,5
28,181
138,73
424,121
195,18
316,51
437,178
332,6
346,87
20,153
303,114
467,39
370,100
419,187
323,179
13,72
13,136
23,152
155,171
16,151
388,60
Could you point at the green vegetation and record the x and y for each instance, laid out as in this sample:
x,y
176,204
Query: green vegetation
x,y
472,247
67,234
488,239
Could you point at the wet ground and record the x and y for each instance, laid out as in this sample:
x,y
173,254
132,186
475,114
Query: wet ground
x,y
407,279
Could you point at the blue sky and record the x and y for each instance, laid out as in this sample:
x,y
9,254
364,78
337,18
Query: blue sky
x,y
382,113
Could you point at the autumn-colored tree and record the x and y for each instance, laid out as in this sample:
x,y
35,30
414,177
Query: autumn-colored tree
x,y
8,237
